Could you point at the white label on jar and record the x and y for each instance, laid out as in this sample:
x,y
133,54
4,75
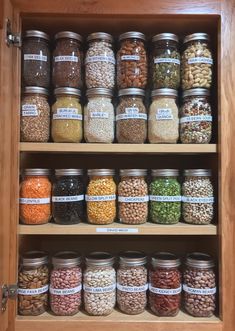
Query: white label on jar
x,y
141,116
100,197
100,58
165,198
196,118
65,291
164,114
134,199
165,291
166,60
28,201
104,289
65,58
68,198
33,291
200,291
132,288
35,57
29,110
61,111
130,57
200,59
99,114
67,117
198,200
117,230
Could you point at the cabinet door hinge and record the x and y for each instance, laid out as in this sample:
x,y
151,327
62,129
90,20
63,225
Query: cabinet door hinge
x,y
12,39
8,292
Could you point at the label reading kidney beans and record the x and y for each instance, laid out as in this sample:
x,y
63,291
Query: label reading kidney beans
x,y
166,60
33,291
165,291
132,288
104,289
100,58
35,57
130,57
200,59
133,199
165,198
68,198
65,291
100,197
196,118
164,114
199,291
34,201
29,110
66,58
198,200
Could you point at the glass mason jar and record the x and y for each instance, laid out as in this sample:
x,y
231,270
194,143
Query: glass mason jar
x,y
100,61
68,196
67,116
165,196
133,196
35,197
195,117
101,196
33,280
197,62
165,284
99,116
199,285
131,118
197,196
67,60
132,66
99,284
35,115
66,283
132,282
165,61
163,122
36,59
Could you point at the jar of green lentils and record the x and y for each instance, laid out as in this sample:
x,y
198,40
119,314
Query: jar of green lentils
x,y
165,196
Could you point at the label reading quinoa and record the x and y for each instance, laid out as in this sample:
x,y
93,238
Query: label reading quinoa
x,y
164,114
132,288
165,291
29,110
200,59
66,58
35,57
196,118
33,291
198,199
166,60
68,198
104,289
131,112
117,230
100,197
67,113
65,291
130,57
165,198
28,201
99,114
100,58
134,199
199,291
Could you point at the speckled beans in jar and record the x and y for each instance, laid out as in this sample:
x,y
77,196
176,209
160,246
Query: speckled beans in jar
x,y
133,196
33,282
99,116
101,196
99,284
165,285
132,66
100,61
131,118
132,282
196,62
199,285
197,196
195,117
66,283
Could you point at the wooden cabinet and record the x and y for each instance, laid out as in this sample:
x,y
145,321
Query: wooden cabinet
x,y
150,16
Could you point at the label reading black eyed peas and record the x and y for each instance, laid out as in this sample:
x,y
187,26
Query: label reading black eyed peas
x,y
35,57
68,198
130,57
196,118
132,288
166,60
33,291
97,198
66,58
100,58
200,59
199,291
133,199
34,201
29,110
198,199
165,291
164,114
65,291
165,198
104,289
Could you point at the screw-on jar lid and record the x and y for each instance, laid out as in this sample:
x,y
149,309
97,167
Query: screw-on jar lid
x,y
99,91
199,260
132,258
165,260
165,172
34,258
99,259
36,33
100,35
197,172
35,90
66,259
132,34
196,92
131,91
165,36
68,34
69,172
133,172
101,172
67,91
36,172
196,36
166,92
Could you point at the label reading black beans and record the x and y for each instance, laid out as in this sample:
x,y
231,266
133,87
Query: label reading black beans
x,y
68,198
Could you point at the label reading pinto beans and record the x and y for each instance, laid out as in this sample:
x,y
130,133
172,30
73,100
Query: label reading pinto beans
x,y
130,57
196,118
164,114
65,291
33,291
95,198
198,200
29,110
67,113
133,199
132,288
71,198
165,198
35,57
100,58
166,60
199,291
28,201
99,114
104,289
200,59
165,291
66,58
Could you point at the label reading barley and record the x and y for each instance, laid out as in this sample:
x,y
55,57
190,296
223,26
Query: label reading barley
x,y
200,59
65,291
33,291
68,198
165,198
35,57
164,114
99,114
199,291
66,58
166,60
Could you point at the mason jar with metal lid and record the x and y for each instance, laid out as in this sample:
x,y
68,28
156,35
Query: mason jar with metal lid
x,y
163,123
36,59
165,284
132,282
132,66
100,61
199,285
67,116
68,196
198,196
131,118
196,117
33,280
165,61
99,284
67,60
165,196
197,62
66,283
133,196
99,116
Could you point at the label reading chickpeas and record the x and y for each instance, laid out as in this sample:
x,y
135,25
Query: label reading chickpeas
x,y
198,200
165,291
164,114
100,58
68,198
166,60
130,57
100,197
165,198
67,113
131,112
200,59
134,199
33,291
199,291
65,291
66,58
104,289
35,57
29,201
196,118
29,110
99,114
132,288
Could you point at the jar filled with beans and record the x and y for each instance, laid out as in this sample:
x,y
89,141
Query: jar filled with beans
x,y
131,118
66,283
196,62
132,282
35,115
195,117
67,60
165,61
133,196
33,280
100,61
35,197
165,196
99,116
68,196
132,66
99,284
198,196
199,285
165,285
67,116
101,196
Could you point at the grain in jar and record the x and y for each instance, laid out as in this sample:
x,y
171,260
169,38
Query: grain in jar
x,y
163,122
67,116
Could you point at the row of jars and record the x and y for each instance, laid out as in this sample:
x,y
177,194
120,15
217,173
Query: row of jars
x,y
168,200
133,286
131,63
134,123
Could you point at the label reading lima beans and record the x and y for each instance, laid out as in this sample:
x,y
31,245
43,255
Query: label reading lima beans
x,y
165,198
29,110
141,116
166,60
104,289
134,199
164,114
100,197
199,291
200,59
130,57
35,57
33,291
65,58
196,118
99,114
100,58
65,291
198,200
28,201
117,230
165,291
68,198
132,288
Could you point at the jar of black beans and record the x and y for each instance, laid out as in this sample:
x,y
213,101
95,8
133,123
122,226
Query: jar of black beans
x,y
68,196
